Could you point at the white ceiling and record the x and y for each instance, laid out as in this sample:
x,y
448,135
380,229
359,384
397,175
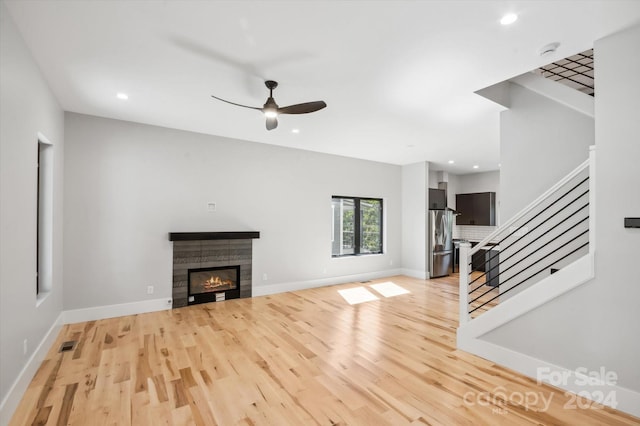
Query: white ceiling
x,y
398,76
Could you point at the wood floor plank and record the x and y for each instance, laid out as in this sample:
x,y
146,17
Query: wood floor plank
x,y
301,358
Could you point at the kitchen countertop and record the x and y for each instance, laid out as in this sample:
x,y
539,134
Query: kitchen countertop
x,y
488,246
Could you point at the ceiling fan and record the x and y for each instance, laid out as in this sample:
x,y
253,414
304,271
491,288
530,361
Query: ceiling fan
x,y
271,110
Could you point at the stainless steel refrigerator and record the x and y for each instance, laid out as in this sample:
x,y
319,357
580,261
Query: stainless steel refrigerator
x,y
440,242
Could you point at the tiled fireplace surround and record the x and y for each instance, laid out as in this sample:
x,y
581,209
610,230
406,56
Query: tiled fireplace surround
x,y
210,249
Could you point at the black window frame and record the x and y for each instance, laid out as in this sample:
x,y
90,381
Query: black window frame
x,y
357,225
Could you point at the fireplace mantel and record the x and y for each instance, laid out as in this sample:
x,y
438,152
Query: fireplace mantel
x,y
202,236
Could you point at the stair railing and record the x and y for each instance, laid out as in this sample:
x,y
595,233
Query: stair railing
x,y
554,230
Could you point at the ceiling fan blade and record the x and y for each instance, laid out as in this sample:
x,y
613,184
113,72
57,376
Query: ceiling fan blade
x,y
302,108
233,103
272,123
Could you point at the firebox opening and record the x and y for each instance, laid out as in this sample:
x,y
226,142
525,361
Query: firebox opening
x,y
213,284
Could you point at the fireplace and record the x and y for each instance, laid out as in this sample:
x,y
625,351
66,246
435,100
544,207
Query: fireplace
x,y
213,284
195,250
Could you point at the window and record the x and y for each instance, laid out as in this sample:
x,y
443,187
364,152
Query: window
x,y
44,218
356,226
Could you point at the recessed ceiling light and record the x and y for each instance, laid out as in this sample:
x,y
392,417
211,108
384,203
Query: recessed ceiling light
x,y
476,167
295,130
122,96
509,19
451,161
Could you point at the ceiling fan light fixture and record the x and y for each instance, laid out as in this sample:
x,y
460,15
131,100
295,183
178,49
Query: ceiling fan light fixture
x,y
271,110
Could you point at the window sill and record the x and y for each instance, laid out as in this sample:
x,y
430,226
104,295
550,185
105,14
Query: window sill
x,y
41,297
351,256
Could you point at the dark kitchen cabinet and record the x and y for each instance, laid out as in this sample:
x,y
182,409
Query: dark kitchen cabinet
x,y
492,267
437,199
477,260
478,208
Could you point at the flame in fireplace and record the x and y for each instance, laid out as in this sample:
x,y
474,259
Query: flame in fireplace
x,y
215,282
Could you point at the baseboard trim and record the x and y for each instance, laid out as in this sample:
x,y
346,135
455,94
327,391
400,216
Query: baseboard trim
x,y
414,273
627,399
265,290
19,387
112,311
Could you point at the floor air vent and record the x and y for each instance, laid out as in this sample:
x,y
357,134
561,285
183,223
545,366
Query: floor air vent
x,y
68,346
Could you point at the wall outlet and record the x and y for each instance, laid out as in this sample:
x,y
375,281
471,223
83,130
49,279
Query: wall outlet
x,y
211,206
391,262
264,277
25,347
149,289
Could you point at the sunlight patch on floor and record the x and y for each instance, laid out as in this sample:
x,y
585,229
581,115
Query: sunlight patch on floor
x,y
389,289
356,295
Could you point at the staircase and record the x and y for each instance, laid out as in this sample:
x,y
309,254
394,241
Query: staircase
x,y
541,253
543,245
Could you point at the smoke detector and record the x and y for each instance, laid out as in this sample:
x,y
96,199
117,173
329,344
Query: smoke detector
x,y
549,49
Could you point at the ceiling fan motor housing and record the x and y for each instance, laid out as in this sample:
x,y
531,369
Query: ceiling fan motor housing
x,y
271,84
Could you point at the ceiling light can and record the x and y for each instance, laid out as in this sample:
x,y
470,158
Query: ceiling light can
x,y
509,19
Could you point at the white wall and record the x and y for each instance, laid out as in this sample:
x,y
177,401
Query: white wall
x,y
27,107
596,325
433,179
479,182
128,185
415,188
541,141
453,188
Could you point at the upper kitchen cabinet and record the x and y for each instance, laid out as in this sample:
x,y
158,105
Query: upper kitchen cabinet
x,y
437,199
476,209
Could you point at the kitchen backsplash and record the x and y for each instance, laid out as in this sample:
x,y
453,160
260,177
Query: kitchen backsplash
x,y
472,233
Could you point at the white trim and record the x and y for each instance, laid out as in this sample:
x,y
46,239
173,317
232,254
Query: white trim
x,y
45,166
463,279
531,206
42,138
20,385
41,297
592,200
415,273
627,400
264,290
112,311
567,278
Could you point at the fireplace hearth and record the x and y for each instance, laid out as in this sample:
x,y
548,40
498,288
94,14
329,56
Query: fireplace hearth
x,y
213,284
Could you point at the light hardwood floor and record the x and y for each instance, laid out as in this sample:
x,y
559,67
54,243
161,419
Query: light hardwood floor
x,y
300,358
